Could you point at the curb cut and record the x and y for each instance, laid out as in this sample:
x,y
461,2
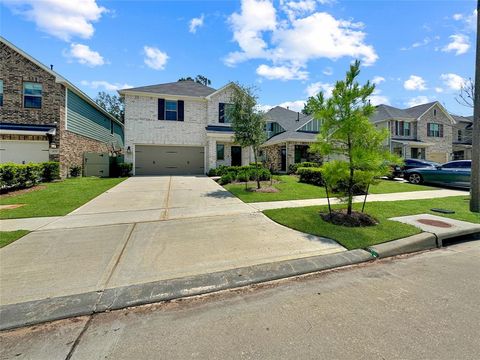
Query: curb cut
x,y
414,243
39,311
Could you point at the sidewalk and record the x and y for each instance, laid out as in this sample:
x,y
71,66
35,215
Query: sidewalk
x,y
412,195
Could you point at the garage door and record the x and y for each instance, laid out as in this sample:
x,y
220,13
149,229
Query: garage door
x,y
23,152
169,160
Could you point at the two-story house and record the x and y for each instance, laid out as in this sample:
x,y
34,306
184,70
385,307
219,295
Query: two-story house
x,y
180,128
45,117
462,137
420,132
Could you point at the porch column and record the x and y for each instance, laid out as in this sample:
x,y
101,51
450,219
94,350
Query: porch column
x,y
211,154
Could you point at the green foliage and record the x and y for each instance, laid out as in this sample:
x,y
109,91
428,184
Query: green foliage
x,y
292,168
243,176
248,123
124,169
240,173
200,79
227,178
50,171
347,134
113,104
19,176
76,170
310,175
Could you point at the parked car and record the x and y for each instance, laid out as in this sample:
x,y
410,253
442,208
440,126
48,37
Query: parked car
x,y
453,173
398,171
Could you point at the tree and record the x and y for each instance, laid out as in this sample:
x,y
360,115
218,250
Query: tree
x,y
347,134
248,123
467,94
112,104
200,79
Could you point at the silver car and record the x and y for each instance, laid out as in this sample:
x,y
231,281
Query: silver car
x,y
453,173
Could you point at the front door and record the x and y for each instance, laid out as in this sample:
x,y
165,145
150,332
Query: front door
x,y
283,157
236,155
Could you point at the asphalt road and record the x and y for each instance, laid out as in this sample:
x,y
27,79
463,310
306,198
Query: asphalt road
x,y
425,306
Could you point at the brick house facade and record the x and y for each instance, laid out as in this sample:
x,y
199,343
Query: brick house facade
x,y
51,128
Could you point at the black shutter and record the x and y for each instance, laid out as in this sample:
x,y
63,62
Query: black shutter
x,y
161,109
180,106
221,112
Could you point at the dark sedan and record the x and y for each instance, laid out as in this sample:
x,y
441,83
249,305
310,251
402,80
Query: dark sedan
x,y
453,173
409,164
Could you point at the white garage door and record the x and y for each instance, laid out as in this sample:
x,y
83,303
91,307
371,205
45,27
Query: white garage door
x,y
169,160
23,152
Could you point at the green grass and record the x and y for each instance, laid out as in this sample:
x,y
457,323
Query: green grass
x,y
307,220
57,198
7,237
290,189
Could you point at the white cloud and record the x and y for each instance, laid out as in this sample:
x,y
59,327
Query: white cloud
x,y
418,100
102,84
155,58
378,80
327,71
459,43
84,55
453,81
377,99
469,20
294,42
314,88
438,89
196,23
415,82
60,18
296,105
281,72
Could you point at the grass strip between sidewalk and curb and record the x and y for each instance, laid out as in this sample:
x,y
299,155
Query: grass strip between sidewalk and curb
x,y
56,198
308,220
290,189
8,237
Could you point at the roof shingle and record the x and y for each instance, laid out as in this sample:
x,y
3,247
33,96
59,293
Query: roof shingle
x,y
180,88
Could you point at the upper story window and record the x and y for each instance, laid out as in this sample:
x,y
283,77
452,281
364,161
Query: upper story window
x,y
32,95
171,110
224,113
434,130
1,92
402,128
434,112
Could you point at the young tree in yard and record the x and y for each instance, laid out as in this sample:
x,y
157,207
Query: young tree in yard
x,y
248,123
347,135
112,104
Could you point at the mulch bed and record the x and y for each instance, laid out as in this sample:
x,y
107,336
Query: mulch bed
x,y
356,219
24,191
268,189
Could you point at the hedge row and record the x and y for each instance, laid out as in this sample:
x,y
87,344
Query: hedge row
x,y
293,168
310,175
229,174
19,176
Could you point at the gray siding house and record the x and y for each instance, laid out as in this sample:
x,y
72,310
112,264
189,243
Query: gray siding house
x,y
45,117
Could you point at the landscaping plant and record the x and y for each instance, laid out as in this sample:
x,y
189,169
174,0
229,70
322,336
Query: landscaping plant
x,y
248,123
347,135
75,170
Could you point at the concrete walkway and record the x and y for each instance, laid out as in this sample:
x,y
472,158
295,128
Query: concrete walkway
x,y
26,223
411,195
143,230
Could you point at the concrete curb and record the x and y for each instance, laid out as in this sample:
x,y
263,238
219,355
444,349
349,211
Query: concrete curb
x,y
414,243
35,312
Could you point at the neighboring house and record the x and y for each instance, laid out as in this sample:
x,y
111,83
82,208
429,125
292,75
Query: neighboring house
x,y
289,136
420,132
462,137
180,128
45,117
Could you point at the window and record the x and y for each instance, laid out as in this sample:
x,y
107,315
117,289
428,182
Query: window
x,y
434,112
434,130
402,128
459,135
220,152
223,113
32,95
269,126
228,109
406,129
1,92
170,110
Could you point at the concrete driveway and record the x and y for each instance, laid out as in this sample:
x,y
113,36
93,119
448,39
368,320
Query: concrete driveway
x,y
147,229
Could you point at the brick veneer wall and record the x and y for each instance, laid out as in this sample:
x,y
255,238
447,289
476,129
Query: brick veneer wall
x,y
441,145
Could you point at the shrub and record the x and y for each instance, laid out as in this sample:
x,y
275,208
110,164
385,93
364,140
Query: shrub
x,y
310,175
244,175
292,168
212,172
263,174
226,179
124,169
17,176
8,175
50,171
75,170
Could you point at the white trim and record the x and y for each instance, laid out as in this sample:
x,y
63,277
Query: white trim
x,y
24,132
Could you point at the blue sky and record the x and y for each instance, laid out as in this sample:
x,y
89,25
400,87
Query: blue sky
x,y
416,51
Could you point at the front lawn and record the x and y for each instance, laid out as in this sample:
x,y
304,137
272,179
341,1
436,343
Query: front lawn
x,y
290,189
56,198
7,237
307,220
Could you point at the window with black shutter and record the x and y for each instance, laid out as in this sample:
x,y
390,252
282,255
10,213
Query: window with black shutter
x,y
221,112
180,109
161,109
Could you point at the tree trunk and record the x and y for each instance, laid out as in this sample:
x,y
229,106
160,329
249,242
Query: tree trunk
x,y
256,167
475,177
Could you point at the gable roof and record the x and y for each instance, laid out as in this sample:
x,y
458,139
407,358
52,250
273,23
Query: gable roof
x,y
178,88
60,79
286,118
467,119
387,112
419,110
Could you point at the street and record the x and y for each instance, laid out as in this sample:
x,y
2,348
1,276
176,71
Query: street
x,y
424,306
